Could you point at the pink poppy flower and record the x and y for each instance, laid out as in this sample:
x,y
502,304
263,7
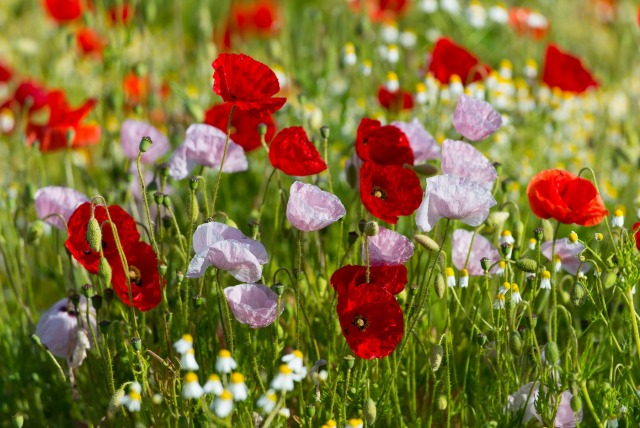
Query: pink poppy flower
x,y
132,132
204,145
57,200
455,198
424,146
226,248
464,160
565,417
310,208
59,330
253,304
475,119
388,248
482,247
568,253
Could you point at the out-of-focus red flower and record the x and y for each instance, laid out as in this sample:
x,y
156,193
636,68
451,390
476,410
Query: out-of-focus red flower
x,y
120,15
390,278
293,153
371,320
63,125
565,71
528,22
5,72
244,126
605,10
260,18
64,10
395,101
561,195
389,191
28,94
89,42
136,88
146,289
77,241
246,83
384,145
381,10
448,59
636,234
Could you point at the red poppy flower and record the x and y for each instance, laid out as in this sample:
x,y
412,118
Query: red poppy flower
x,y
28,93
636,234
246,83
293,153
561,195
389,191
371,320
260,18
448,59
395,101
146,290
244,126
120,15
380,10
528,22
64,10
89,42
565,71
5,72
64,122
77,241
384,145
390,278
136,88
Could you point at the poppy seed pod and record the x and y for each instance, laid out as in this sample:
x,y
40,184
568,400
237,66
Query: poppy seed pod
x,y
371,228
427,243
94,234
538,233
262,129
325,131
145,144
437,354
527,265
485,263
136,344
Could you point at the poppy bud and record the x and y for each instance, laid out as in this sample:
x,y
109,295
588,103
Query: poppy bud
x,y
104,326
278,288
193,183
136,344
370,411
481,339
108,294
116,398
424,169
551,353
440,286
311,410
538,233
94,235
35,231
427,243
527,265
96,302
17,420
87,290
441,402
195,210
349,361
519,230
485,263
371,228
548,229
262,129
515,343
158,198
436,357
497,218
576,403
578,293
145,144
104,271
325,131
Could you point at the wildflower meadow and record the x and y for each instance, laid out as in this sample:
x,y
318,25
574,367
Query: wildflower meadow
x,y
319,213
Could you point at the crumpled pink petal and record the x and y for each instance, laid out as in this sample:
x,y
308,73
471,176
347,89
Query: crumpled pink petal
x,y
226,248
455,198
204,145
424,146
57,199
475,119
132,132
253,304
464,160
482,247
568,253
310,208
388,248
565,417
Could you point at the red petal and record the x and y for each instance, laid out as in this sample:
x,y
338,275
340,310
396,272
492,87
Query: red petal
x,y
395,101
390,278
293,153
384,145
244,126
64,10
448,59
565,71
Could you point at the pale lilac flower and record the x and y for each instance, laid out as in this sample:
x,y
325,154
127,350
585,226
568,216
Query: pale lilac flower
x,y
567,253
60,331
424,146
475,119
310,208
253,304
455,198
226,248
565,417
388,248
204,145
482,247
464,160
132,132
57,200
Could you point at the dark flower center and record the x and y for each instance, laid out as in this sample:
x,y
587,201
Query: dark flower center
x,y
134,275
360,322
378,192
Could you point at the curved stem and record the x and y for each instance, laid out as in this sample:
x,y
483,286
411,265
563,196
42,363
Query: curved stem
x,y
224,156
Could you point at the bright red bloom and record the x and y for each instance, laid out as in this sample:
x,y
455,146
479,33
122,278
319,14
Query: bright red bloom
x,y
28,93
136,88
389,191
390,278
293,153
260,18
244,126
146,290
5,72
448,59
395,101
565,71
77,242
246,83
89,42
371,320
561,195
384,145
380,10
120,15
64,10
64,122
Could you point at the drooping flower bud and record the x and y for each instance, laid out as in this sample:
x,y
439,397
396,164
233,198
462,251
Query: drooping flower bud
x,y
437,354
578,293
552,353
427,243
94,235
440,286
370,411
515,343
104,271
441,402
